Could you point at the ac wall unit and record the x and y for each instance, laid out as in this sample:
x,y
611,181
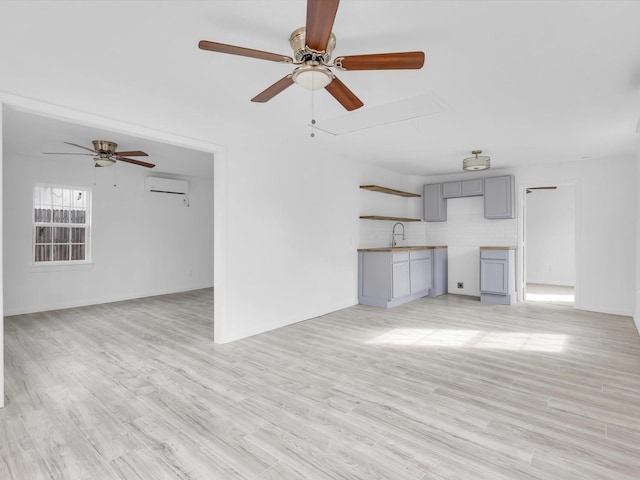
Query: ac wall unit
x,y
166,185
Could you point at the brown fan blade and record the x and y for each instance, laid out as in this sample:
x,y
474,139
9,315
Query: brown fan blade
x,y
244,52
80,146
273,90
381,61
132,153
67,153
320,17
135,162
345,96
97,166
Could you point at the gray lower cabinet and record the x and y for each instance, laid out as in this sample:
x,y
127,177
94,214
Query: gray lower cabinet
x,y
435,205
387,279
497,276
499,197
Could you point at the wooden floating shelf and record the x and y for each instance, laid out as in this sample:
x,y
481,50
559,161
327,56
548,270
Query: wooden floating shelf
x,y
394,219
391,191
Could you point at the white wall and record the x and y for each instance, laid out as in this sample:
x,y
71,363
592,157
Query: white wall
x,y
142,243
550,236
605,230
636,316
294,231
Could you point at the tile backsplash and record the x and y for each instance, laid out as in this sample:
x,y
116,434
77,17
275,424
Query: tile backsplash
x,y
467,227
376,233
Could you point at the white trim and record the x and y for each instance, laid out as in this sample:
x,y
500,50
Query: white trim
x,y
1,269
520,258
98,301
51,224
46,267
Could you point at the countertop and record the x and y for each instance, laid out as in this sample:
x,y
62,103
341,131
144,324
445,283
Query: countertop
x,y
498,248
401,249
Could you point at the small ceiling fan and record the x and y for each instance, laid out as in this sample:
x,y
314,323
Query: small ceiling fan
x,y
106,155
312,46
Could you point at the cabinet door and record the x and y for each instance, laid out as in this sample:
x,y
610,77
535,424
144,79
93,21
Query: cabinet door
x,y
452,189
435,207
401,281
472,188
420,275
499,197
494,276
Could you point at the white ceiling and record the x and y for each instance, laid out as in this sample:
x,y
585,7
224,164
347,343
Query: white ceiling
x,y
527,82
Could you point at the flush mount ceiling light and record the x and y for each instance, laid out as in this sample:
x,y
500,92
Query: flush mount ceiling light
x,y
476,163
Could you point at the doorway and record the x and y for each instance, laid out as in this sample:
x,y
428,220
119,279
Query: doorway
x,y
549,244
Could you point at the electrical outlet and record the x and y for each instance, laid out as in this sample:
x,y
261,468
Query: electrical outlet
x,y
460,284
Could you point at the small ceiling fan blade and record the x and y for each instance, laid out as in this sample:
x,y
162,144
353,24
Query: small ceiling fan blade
x,y
135,162
80,146
342,93
132,153
320,17
67,153
542,188
244,52
273,90
381,61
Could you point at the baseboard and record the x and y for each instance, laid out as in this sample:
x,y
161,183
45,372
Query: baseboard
x,y
263,328
99,301
554,284
605,310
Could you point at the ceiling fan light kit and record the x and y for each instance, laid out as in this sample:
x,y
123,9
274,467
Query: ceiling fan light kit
x,y
312,77
477,162
104,160
312,47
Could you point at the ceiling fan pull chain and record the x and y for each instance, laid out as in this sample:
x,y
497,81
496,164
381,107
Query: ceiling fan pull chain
x,y
313,114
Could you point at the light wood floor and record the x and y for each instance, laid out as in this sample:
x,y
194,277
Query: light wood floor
x,y
556,294
443,388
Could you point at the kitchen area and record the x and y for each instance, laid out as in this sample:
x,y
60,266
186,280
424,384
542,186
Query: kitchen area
x,y
459,237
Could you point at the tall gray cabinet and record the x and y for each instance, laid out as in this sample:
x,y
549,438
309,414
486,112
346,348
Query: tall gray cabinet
x,y
435,204
499,197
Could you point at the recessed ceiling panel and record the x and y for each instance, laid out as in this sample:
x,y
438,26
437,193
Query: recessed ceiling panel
x,y
365,118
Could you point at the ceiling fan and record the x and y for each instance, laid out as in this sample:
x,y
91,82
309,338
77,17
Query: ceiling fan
x,y
106,155
312,47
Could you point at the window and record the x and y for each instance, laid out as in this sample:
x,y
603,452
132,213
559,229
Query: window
x,y
60,224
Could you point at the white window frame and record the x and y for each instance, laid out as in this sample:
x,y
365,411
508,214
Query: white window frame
x,y
86,225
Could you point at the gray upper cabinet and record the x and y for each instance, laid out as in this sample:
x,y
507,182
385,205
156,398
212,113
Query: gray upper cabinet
x,y
467,188
435,205
499,197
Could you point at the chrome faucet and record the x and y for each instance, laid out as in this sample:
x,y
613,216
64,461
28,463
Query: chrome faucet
x,y
394,234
